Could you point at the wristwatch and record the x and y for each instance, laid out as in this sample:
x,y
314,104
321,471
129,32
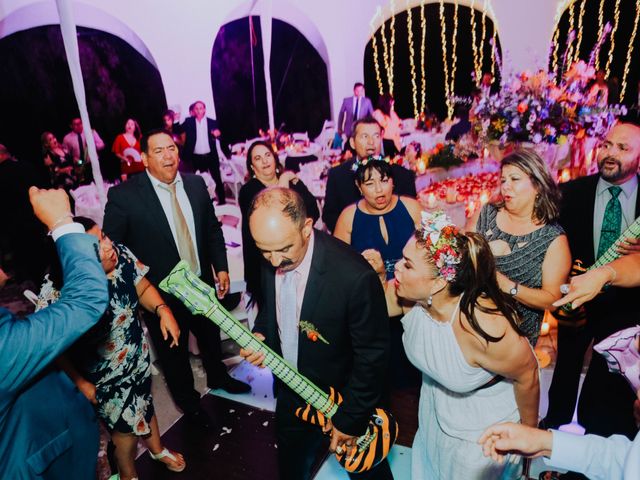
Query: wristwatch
x,y
514,290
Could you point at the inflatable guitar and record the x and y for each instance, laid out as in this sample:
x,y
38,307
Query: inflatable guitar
x,y
611,254
382,430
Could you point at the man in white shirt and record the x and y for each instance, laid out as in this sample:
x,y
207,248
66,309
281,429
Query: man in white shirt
x,y
75,142
353,108
200,148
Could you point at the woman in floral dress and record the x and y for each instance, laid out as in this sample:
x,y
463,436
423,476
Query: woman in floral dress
x,y
110,364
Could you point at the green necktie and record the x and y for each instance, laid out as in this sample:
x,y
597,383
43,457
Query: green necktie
x,y
612,221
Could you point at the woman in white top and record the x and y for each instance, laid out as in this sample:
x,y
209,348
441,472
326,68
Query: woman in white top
x,y
462,333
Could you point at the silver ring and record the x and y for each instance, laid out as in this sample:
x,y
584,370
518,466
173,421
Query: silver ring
x,y
564,288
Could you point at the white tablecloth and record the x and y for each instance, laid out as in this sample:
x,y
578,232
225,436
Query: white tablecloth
x,y
427,140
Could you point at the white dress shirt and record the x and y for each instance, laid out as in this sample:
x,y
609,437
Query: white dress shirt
x,y
302,275
70,142
202,146
165,200
66,229
627,201
599,458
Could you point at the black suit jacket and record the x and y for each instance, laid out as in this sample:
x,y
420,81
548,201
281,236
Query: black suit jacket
x,y
189,128
345,302
134,217
342,191
616,308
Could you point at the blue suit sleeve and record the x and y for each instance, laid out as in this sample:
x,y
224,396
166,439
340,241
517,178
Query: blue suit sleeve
x,y
29,345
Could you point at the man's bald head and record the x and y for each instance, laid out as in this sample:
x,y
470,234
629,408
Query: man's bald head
x,y
279,226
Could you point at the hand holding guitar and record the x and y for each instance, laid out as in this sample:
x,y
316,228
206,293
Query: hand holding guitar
x,y
255,358
339,441
629,245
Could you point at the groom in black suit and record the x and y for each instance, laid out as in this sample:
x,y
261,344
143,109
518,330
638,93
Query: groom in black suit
x,y
316,279
164,216
605,406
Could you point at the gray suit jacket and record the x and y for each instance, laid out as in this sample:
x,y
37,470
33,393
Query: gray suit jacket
x,y
345,117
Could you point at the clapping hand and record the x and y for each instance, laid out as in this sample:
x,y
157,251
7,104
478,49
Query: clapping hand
x,y
287,177
374,258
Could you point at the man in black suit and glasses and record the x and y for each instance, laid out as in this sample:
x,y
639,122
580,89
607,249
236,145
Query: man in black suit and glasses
x,y
164,216
595,211
324,311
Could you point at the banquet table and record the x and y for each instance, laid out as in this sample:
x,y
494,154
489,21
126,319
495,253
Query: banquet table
x,y
427,140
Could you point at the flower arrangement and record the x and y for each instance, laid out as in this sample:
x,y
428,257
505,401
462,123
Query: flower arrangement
x,y
534,108
444,156
439,235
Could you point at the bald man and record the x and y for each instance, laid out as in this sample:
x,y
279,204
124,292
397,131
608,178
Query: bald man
x,y
595,210
310,276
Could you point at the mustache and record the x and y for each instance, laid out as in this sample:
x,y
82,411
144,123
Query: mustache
x,y
611,159
286,262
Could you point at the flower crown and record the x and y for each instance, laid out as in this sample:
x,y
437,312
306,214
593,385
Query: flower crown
x,y
439,234
364,161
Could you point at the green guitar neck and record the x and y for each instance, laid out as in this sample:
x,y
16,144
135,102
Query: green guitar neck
x,y
201,299
632,231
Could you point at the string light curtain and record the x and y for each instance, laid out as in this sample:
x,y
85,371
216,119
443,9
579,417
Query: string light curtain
x,y
395,68
604,31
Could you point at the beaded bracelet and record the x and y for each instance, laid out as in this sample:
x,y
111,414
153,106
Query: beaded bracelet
x,y
159,307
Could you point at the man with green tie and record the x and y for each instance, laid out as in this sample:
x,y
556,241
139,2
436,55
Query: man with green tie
x,y
595,210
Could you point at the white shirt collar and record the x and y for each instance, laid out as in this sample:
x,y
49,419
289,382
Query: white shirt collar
x,y
627,187
158,183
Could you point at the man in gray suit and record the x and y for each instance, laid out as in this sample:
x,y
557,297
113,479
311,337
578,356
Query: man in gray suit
x,y
353,108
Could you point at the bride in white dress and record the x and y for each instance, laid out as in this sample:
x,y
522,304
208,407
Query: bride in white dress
x,y
461,332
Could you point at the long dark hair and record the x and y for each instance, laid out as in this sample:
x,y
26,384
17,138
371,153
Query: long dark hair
x,y
476,278
384,103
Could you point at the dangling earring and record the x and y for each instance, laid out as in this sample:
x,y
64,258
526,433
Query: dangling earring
x,y
430,300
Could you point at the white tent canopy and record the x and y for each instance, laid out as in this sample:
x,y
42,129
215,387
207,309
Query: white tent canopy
x,y
178,38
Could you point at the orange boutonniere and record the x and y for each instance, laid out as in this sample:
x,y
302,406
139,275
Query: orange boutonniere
x,y
312,333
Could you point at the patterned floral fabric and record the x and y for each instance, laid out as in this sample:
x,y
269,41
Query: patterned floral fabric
x,y
114,354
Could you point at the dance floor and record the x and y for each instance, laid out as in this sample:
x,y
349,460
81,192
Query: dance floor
x,y
242,446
